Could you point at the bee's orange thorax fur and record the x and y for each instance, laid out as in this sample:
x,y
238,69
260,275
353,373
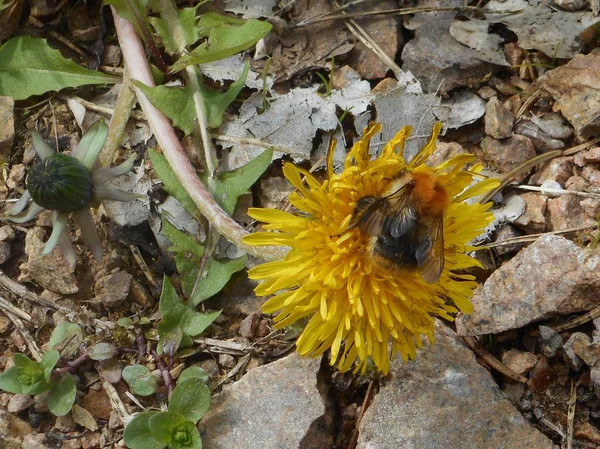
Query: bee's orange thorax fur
x,y
429,196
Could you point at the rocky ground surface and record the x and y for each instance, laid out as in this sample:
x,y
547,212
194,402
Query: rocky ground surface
x,y
521,371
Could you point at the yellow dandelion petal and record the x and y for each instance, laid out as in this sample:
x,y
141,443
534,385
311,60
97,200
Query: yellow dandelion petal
x,y
364,304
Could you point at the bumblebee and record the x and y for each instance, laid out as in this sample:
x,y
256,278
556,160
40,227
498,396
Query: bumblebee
x,y
406,223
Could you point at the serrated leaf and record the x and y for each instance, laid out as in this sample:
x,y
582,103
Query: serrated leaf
x,y
140,380
102,351
230,185
194,323
188,24
28,66
177,103
66,338
62,396
191,398
193,372
218,273
223,41
171,185
182,241
138,434
173,101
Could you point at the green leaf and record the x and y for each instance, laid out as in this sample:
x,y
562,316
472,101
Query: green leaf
x,y
173,101
62,396
230,185
177,103
28,66
188,23
135,11
91,144
218,273
48,362
125,322
182,242
170,305
194,323
185,436
9,381
171,185
210,20
191,398
66,338
193,372
217,102
102,351
138,434
30,375
140,380
163,423
223,41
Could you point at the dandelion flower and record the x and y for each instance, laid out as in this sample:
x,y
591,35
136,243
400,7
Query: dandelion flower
x,y
358,307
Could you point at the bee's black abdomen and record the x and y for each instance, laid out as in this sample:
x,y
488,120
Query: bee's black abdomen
x,y
398,251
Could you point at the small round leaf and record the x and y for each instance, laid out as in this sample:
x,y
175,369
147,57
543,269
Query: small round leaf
x,y
102,351
191,398
62,396
140,380
138,434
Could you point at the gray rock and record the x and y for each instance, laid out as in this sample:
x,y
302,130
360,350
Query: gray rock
x,y
542,142
573,346
571,5
112,289
444,399
4,252
19,402
7,233
499,121
551,341
271,407
52,272
434,56
7,125
574,86
550,277
508,154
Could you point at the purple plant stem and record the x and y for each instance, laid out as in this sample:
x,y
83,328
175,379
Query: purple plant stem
x,y
166,375
135,61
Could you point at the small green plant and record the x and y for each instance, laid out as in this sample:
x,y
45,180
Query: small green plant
x,y
176,427
30,377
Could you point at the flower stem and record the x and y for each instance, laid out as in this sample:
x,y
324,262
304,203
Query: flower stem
x,y
135,60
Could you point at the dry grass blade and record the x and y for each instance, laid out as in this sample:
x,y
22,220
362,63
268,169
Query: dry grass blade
x,y
571,415
580,320
531,237
8,307
492,361
29,341
578,148
399,12
523,168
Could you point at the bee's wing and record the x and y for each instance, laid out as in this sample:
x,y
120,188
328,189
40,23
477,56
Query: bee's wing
x,y
368,215
402,214
429,250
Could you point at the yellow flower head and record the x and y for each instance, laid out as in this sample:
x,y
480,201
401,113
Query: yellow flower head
x,y
359,307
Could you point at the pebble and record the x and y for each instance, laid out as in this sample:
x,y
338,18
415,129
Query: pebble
x,y
533,219
499,121
509,153
551,341
249,325
521,362
19,402
574,348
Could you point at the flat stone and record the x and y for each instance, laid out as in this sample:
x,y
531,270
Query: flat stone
x,y
112,289
52,272
553,276
574,86
551,341
520,362
444,399
559,169
434,56
7,233
4,252
541,141
98,404
499,121
533,219
7,126
19,402
271,407
509,153
566,212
